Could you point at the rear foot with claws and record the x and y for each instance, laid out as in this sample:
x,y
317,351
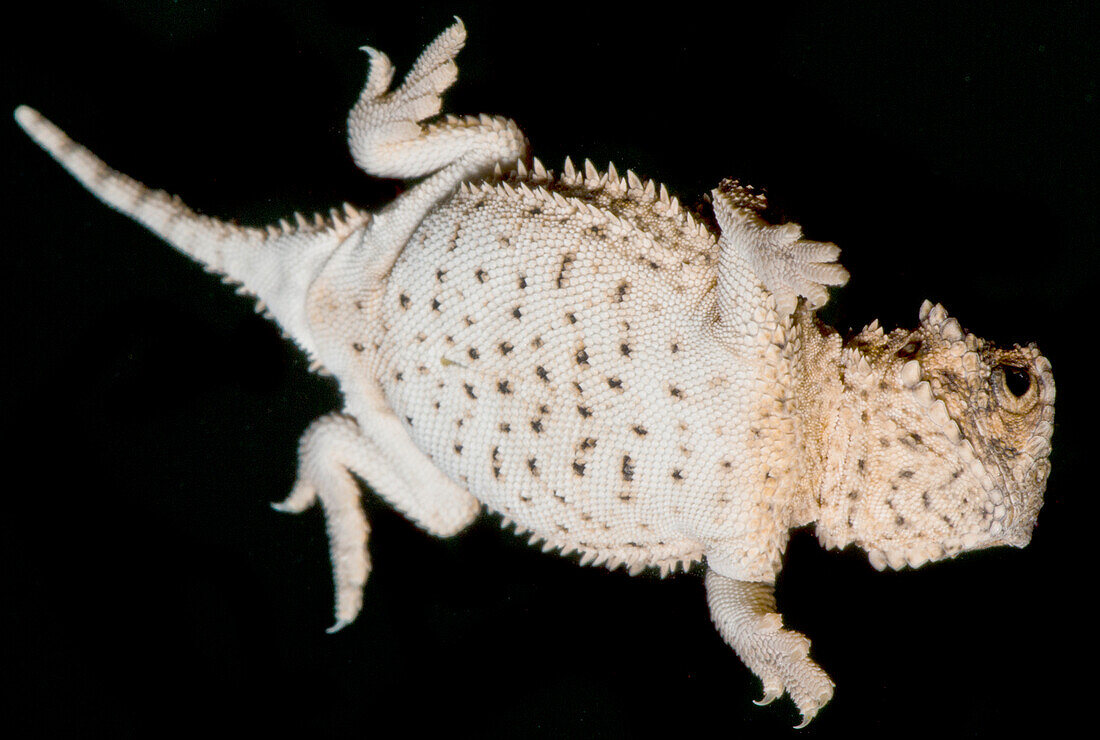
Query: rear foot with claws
x,y
387,132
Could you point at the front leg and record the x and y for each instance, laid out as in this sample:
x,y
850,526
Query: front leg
x,y
787,265
745,615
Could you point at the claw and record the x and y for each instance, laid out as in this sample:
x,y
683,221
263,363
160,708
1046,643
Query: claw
x,y
339,625
807,717
380,74
300,499
769,696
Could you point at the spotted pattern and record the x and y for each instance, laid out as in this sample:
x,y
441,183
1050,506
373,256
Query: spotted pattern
x,y
574,363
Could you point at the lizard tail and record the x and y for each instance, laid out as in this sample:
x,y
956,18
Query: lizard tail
x,y
276,264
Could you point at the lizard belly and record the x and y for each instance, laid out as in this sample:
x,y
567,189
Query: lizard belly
x,y
568,386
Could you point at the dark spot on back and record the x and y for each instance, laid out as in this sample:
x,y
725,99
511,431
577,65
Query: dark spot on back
x,y
628,468
566,260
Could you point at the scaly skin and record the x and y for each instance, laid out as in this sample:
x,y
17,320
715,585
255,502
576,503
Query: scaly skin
x,y
612,374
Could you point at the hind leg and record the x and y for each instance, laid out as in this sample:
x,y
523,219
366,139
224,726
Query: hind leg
x,y
388,138
385,129
379,452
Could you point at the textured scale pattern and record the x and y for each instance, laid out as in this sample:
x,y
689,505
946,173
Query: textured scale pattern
x,y
578,446
616,376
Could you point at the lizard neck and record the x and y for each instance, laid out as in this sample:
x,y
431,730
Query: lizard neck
x,y
819,397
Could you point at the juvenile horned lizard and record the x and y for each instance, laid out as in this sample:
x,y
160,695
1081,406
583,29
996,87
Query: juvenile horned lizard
x,y
612,374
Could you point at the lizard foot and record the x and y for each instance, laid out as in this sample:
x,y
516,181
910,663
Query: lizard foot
x,y
744,613
781,659
327,451
788,265
386,130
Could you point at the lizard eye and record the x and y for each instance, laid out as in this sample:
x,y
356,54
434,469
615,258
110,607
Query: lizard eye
x,y
1016,380
1016,388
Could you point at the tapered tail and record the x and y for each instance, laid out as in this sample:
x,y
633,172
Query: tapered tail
x,y
276,264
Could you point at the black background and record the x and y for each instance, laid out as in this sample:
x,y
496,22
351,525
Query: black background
x,y
949,148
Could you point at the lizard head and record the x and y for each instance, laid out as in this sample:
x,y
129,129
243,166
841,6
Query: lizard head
x,y
942,443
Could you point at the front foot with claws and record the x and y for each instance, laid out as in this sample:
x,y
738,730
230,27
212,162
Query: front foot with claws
x,y
744,613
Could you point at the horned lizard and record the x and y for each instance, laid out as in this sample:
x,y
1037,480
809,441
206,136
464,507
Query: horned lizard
x,y
612,374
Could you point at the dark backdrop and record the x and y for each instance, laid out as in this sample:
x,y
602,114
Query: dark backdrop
x,y
948,147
